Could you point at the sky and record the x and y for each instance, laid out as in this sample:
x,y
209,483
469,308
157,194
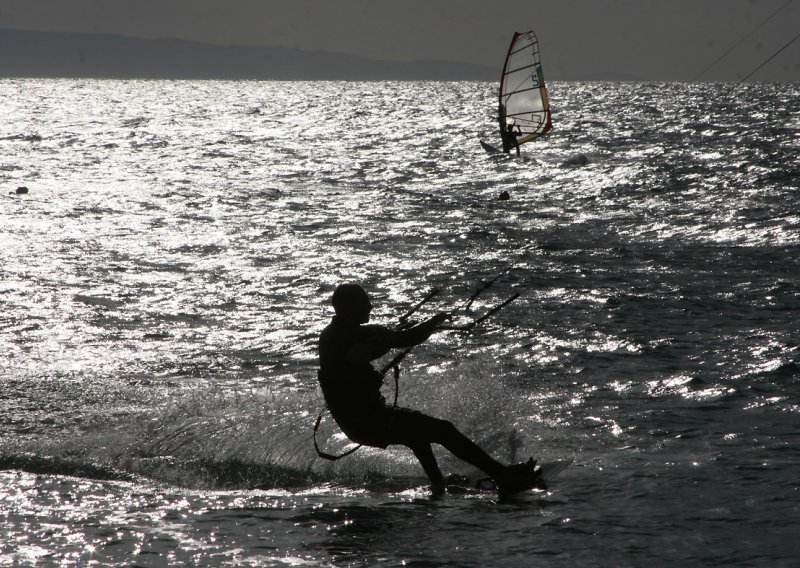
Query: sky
x,y
580,39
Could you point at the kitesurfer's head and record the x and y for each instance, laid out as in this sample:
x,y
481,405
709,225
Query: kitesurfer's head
x,y
351,302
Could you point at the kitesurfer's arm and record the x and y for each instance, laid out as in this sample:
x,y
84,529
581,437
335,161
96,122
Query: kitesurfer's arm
x,y
417,334
377,340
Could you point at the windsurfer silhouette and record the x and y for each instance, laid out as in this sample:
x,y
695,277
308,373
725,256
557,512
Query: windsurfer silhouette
x,y
510,137
351,386
507,134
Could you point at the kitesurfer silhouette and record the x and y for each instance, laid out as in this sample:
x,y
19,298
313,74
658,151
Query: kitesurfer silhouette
x,y
351,386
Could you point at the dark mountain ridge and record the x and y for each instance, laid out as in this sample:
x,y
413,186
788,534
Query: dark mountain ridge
x,y
85,55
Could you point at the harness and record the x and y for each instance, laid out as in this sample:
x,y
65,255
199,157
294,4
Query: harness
x,y
393,364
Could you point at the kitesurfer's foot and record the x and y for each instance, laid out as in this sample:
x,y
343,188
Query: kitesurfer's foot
x,y
438,489
457,479
520,477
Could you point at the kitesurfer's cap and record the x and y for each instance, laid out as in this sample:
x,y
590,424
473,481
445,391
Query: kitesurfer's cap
x,y
350,299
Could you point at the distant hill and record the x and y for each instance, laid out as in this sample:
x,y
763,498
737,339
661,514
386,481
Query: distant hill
x,y
53,54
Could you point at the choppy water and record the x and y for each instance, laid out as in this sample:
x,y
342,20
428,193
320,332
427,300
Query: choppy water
x,y
163,282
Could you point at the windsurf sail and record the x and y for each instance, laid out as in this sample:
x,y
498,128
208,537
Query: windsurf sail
x,y
524,107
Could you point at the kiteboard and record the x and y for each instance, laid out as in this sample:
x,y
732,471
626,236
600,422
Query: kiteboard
x,y
551,469
478,483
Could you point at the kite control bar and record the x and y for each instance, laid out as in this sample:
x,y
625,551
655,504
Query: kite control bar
x,y
404,318
393,364
470,325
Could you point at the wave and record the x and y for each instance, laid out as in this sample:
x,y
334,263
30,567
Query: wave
x,y
24,137
207,439
60,465
216,437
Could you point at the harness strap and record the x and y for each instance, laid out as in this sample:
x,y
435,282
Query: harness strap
x,y
325,455
396,384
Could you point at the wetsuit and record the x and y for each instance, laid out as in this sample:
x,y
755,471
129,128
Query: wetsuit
x,y
509,139
507,134
351,387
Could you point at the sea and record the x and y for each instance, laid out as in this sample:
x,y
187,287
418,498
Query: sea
x,y
165,276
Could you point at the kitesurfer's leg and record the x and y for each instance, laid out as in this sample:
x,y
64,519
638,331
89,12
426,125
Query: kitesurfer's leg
x,y
463,448
414,429
418,431
424,454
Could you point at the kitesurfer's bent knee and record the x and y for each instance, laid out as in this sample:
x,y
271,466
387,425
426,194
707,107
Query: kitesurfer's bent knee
x,y
414,429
